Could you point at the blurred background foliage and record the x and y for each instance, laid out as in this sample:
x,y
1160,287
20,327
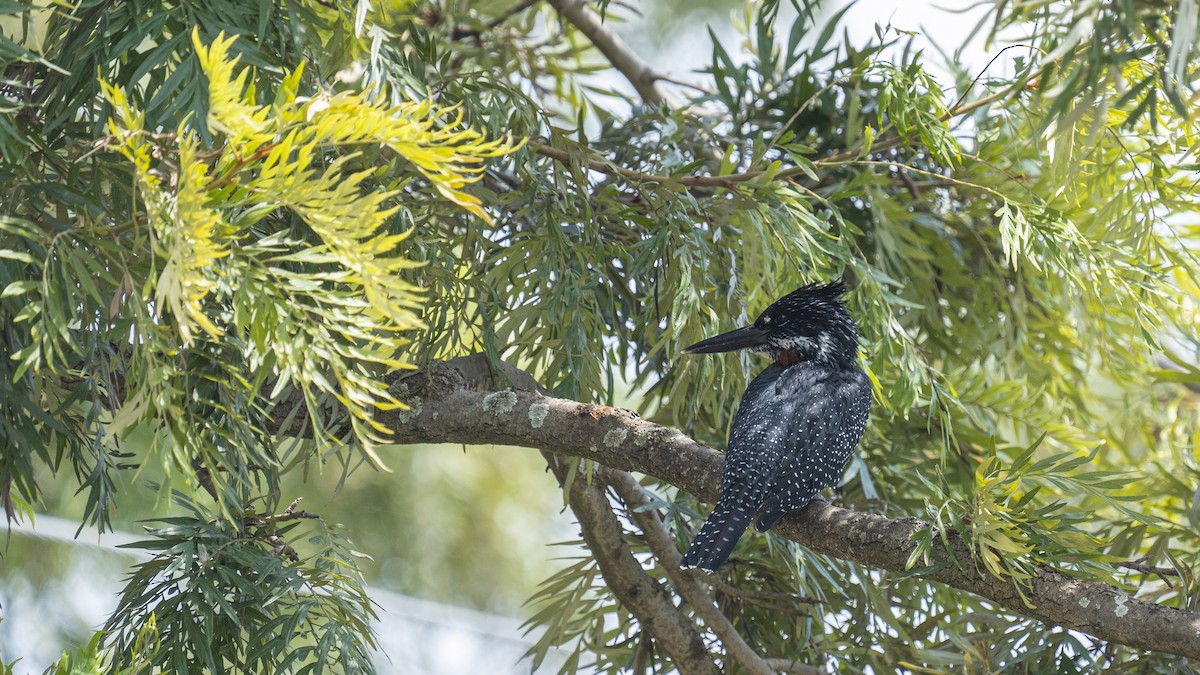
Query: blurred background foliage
x,y
1019,237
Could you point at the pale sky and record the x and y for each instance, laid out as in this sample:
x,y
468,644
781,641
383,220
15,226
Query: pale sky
x,y
686,47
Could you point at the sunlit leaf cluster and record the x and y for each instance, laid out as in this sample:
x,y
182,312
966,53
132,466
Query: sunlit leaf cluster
x,y
214,293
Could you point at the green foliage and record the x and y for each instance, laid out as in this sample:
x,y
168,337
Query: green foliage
x,y
203,254
1140,49
1017,516
93,659
572,610
196,256
87,660
237,598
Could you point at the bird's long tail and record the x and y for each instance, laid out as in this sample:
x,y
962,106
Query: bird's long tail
x,y
715,541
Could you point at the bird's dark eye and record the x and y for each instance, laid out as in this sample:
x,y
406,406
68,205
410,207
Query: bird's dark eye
x,y
766,320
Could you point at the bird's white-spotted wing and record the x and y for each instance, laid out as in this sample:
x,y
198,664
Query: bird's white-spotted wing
x,y
827,424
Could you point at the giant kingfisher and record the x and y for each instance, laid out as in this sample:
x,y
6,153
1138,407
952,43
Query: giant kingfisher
x,y
798,421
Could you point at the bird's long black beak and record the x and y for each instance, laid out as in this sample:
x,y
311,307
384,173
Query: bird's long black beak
x,y
742,338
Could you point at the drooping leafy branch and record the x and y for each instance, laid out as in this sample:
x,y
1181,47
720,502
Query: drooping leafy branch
x,y
254,255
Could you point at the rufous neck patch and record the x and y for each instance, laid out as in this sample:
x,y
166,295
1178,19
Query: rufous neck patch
x,y
787,357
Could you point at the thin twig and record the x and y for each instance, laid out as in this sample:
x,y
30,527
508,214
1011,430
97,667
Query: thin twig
x,y
684,83
923,172
290,513
1140,565
510,13
984,70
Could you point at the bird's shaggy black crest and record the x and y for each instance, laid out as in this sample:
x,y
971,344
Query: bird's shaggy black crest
x,y
813,321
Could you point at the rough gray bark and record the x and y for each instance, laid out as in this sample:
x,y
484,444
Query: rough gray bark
x,y
456,402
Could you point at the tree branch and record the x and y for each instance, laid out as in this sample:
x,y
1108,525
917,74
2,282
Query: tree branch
x,y
663,548
636,590
639,73
455,402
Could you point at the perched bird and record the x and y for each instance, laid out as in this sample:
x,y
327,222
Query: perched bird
x,y
798,421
